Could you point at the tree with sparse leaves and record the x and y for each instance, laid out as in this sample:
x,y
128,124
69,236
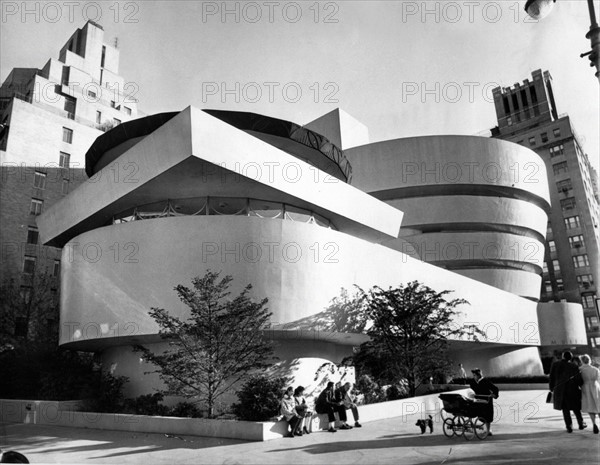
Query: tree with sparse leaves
x,y
220,343
29,310
409,327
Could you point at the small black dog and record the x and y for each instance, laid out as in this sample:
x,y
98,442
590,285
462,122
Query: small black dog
x,y
425,423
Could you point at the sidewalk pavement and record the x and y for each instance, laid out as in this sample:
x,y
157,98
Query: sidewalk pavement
x,y
526,430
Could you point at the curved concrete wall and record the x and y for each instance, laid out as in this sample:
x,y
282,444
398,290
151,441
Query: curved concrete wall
x,y
561,324
447,161
469,203
112,276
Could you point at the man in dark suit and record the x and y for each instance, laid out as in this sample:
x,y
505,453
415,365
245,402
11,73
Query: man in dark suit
x,y
486,389
565,382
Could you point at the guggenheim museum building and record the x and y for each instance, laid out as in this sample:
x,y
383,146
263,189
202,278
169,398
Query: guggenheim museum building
x,y
301,212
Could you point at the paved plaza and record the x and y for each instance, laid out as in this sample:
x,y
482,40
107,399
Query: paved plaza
x,y
527,431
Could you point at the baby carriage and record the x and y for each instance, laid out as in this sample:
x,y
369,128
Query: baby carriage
x,y
464,416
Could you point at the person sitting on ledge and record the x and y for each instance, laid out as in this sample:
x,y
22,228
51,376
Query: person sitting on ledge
x,y
348,402
327,403
302,411
288,410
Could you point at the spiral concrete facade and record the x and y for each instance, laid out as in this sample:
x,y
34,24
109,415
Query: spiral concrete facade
x,y
472,205
293,231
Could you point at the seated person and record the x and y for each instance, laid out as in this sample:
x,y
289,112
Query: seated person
x,y
288,410
348,402
327,403
303,412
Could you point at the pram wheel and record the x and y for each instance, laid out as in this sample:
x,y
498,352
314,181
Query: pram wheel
x,y
448,427
481,428
468,429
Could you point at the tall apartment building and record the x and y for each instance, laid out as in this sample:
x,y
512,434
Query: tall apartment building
x,y
49,117
527,114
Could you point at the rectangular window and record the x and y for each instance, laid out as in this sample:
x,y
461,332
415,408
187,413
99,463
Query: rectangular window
x,y
68,135
559,168
56,269
579,261
572,222
39,180
560,285
548,286
587,300
128,110
545,268
567,204
556,266
25,294
556,132
116,121
113,104
98,117
65,187
64,160
69,107
564,186
585,280
552,246
557,150
20,326
576,241
32,235
595,341
91,94
29,265
544,136
532,141
36,207
592,323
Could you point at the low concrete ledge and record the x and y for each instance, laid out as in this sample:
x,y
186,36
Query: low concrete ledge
x,y
522,387
64,414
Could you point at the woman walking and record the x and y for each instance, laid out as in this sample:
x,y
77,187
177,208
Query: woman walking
x,y
590,390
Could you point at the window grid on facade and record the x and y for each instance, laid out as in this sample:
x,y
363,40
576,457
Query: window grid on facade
x,y
556,266
36,206
567,204
557,150
29,264
544,137
548,286
559,168
552,246
545,268
556,132
577,241
585,280
39,180
532,141
560,284
572,222
64,160
592,323
587,300
68,135
564,185
579,261
32,235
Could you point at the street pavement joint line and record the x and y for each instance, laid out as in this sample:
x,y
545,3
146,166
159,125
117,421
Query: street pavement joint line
x,y
443,461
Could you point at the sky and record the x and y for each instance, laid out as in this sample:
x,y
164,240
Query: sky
x,y
402,68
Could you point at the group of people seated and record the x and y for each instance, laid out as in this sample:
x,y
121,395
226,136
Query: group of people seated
x,y
333,399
